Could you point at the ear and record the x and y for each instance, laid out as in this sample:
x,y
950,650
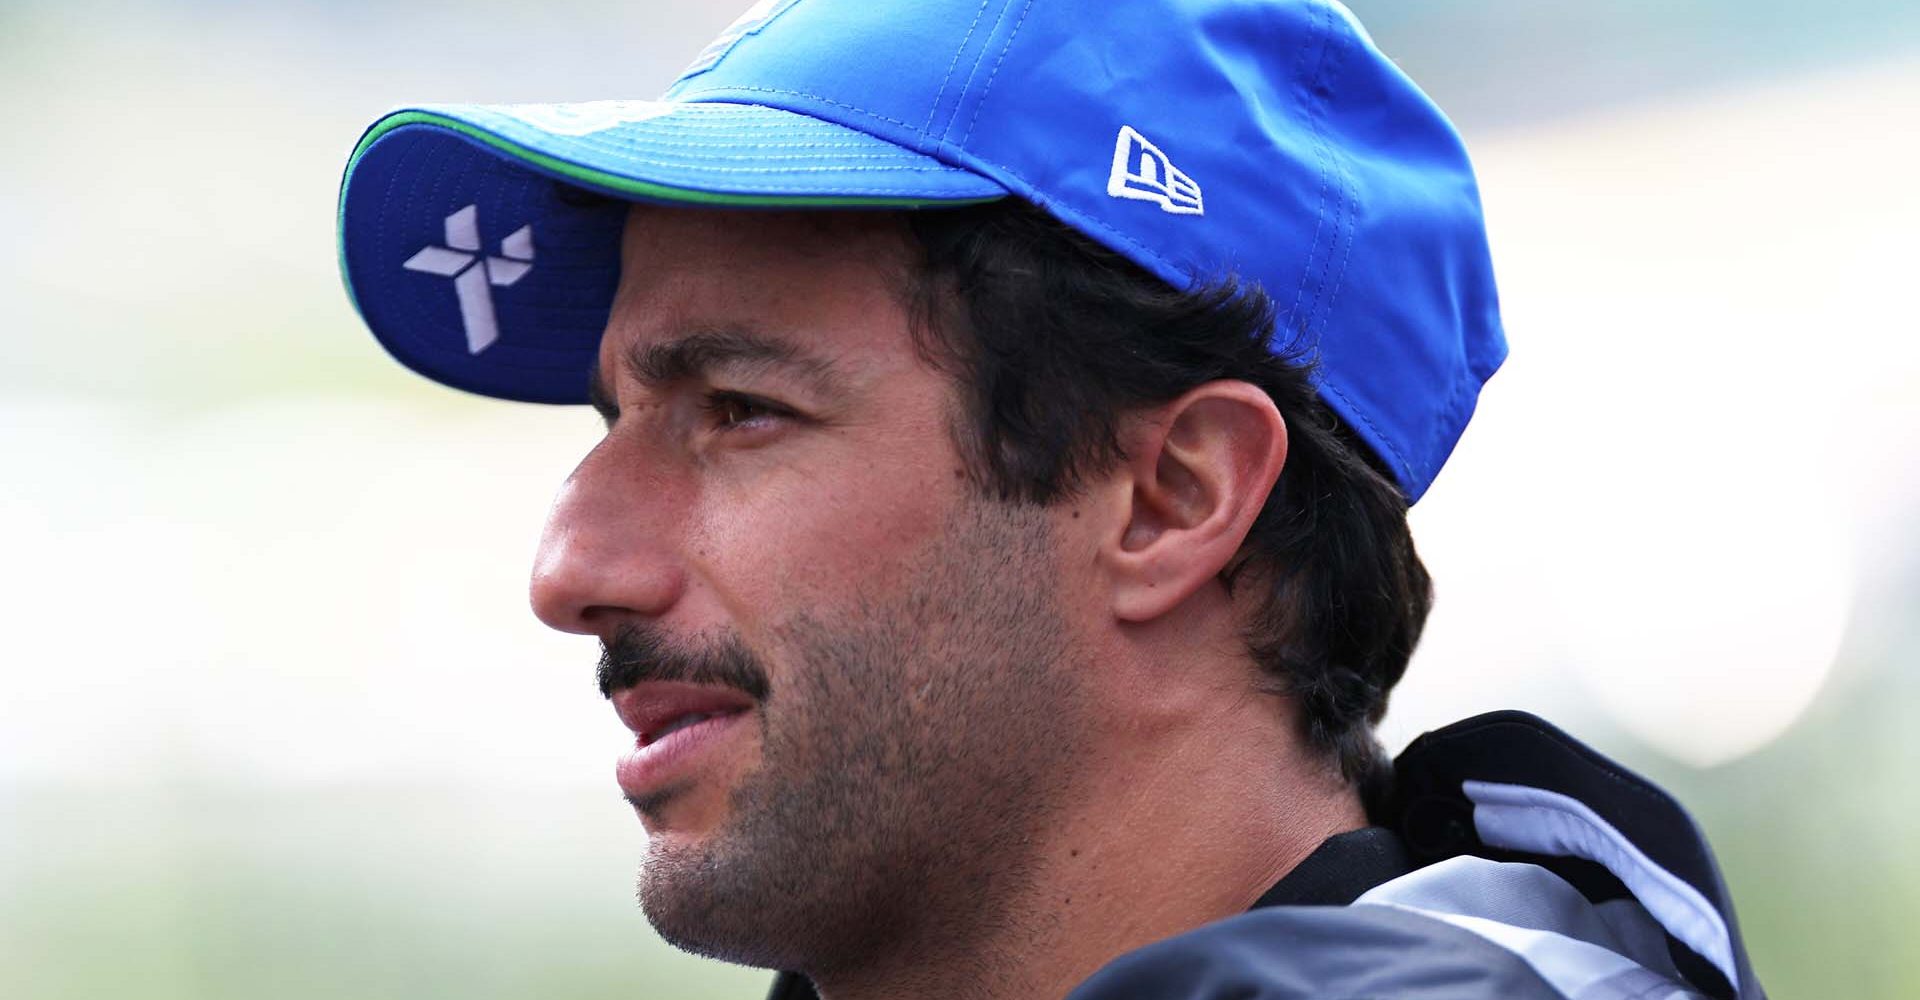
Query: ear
x,y
1200,468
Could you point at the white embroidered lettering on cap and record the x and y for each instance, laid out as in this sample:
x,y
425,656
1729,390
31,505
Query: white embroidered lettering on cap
x,y
1142,172
756,17
473,274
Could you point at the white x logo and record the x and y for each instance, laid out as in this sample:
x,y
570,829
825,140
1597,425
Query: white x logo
x,y
457,260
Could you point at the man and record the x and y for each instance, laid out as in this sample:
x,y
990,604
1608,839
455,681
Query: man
x,y
998,545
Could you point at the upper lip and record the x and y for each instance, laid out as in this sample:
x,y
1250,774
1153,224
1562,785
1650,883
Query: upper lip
x,y
650,706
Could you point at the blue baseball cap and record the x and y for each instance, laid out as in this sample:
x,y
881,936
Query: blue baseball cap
x,y
1267,139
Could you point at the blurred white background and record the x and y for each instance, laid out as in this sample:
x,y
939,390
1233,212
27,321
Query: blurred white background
x,y
276,718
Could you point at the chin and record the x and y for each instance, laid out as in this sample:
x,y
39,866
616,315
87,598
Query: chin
x,y
694,904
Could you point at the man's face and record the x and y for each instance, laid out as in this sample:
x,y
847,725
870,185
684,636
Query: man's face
x,y
852,679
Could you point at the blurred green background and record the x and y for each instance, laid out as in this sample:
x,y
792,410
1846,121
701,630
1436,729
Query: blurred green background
x,y
274,719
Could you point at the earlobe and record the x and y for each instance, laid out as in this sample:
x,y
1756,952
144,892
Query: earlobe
x,y
1200,468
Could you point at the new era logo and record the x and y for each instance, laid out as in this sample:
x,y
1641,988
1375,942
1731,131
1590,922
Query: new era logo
x,y
473,273
757,16
1142,172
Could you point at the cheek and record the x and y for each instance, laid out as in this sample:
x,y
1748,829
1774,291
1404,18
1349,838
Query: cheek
x,y
1083,529
815,535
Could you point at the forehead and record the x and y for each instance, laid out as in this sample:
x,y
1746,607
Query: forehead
x,y
781,273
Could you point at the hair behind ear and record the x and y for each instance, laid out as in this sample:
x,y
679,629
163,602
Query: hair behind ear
x,y
1052,338
1351,595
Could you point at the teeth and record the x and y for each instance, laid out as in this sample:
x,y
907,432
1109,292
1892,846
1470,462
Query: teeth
x,y
679,724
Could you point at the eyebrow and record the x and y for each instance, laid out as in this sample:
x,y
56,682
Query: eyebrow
x,y
703,353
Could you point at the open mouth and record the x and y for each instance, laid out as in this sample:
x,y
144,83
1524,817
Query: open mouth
x,y
686,721
655,709
678,728
674,746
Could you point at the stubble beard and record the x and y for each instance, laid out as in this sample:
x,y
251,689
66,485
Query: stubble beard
x,y
912,755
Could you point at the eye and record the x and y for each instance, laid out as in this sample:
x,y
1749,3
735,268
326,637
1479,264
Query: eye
x,y
735,411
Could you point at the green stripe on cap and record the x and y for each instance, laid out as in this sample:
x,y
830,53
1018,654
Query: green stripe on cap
x,y
638,188
605,181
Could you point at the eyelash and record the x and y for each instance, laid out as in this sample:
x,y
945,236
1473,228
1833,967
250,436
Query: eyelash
x,y
719,404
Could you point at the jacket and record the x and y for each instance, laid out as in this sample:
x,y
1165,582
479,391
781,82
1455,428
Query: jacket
x,y
1509,861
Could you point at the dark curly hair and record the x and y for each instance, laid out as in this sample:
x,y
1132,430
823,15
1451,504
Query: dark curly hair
x,y
1052,339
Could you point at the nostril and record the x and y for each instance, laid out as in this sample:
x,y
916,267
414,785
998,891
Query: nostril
x,y
593,616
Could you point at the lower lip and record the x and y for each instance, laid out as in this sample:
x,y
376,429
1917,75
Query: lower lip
x,y
645,768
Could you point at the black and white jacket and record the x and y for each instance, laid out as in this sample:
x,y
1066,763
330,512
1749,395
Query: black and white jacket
x,y
1511,861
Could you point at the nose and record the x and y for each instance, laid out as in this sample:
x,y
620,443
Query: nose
x,y
607,552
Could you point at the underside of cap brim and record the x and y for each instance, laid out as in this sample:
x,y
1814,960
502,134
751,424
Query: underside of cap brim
x,y
474,268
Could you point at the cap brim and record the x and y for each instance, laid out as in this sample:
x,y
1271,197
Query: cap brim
x,y
474,268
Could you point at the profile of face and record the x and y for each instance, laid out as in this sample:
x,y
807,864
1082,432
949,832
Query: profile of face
x,y
853,679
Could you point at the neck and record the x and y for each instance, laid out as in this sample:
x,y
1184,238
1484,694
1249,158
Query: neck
x,y
1176,825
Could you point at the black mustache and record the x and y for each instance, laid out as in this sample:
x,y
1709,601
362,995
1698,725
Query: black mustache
x,y
639,653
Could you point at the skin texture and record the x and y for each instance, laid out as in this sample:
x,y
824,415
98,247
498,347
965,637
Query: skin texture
x,y
920,733
992,746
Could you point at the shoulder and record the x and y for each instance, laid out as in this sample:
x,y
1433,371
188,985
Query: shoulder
x,y
1322,952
